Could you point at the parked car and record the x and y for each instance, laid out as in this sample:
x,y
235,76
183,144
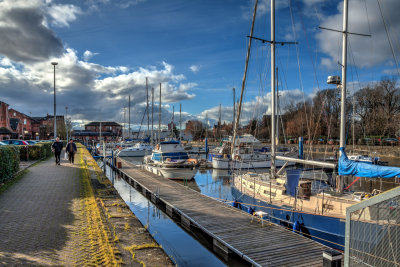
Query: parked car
x,y
2,143
16,142
31,142
390,141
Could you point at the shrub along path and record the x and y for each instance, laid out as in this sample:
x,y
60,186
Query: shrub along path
x,y
51,217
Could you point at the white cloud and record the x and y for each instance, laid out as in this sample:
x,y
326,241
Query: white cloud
x,y
87,55
62,15
195,68
254,109
263,7
367,51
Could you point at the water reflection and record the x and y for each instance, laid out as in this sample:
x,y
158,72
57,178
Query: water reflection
x,y
182,248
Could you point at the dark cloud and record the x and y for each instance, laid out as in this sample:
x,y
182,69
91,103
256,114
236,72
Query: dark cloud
x,y
24,38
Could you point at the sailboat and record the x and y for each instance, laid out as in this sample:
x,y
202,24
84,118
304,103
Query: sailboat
x,y
295,203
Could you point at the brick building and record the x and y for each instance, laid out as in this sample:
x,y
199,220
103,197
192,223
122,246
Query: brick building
x,y
109,131
17,125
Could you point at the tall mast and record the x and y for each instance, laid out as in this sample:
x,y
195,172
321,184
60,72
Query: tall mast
x,y
159,119
147,106
180,121
234,110
244,77
172,123
152,118
219,123
124,129
273,87
129,117
344,78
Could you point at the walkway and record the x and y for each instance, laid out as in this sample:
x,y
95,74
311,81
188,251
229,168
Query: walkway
x,y
36,214
70,215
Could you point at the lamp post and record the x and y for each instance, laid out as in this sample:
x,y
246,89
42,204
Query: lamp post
x,y
66,122
55,121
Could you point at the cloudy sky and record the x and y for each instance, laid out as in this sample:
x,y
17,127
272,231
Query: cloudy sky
x,y
196,49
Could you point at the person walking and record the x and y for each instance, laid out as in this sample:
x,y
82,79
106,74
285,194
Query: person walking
x,y
57,147
71,149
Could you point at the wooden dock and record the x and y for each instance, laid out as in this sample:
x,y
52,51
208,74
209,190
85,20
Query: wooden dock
x,y
229,230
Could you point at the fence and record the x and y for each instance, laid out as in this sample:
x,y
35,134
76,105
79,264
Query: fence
x,y
373,231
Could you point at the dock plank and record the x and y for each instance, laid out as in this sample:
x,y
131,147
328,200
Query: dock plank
x,y
260,245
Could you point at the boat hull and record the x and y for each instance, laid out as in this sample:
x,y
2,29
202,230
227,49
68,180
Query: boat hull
x,y
327,230
173,173
227,164
133,153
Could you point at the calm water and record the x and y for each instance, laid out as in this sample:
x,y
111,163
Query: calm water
x,y
182,248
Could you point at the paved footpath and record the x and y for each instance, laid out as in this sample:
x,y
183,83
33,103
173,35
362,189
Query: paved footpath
x,y
35,214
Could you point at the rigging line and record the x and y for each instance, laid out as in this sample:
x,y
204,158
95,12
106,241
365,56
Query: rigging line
x,y
298,59
315,79
388,37
396,40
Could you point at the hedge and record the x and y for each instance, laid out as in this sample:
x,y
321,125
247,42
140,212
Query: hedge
x,y
34,152
9,162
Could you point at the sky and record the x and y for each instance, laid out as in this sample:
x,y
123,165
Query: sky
x,y
196,49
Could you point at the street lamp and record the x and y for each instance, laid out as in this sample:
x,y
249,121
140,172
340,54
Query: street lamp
x,y
66,126
55,122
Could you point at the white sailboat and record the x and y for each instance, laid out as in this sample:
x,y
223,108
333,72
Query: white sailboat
x,y
290,200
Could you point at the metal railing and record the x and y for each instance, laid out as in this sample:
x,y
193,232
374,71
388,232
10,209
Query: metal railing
x,y
373,231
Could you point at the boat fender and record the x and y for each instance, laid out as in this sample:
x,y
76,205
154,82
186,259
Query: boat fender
x,y
296,227
251,210
235,204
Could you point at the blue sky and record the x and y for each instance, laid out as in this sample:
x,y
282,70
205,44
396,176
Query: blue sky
x,y
197,49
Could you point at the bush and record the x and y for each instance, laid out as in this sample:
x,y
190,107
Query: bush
x,y
9,162
34,152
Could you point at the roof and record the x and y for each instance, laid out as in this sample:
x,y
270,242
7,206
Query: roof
x,y
103,123
4,130
90,133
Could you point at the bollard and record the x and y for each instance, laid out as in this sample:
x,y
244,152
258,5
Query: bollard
x,y
332,258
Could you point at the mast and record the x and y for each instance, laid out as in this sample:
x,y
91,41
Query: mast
x,y
344,78
244,77
352,120
147,106
159,119
234,110
152,118
273,88
172,123
219,123
129,117
123,131
180,121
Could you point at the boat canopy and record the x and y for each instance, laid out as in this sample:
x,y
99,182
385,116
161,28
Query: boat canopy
x,y
170,142
363,169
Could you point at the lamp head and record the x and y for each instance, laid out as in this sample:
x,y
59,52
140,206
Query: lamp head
x,y
54,63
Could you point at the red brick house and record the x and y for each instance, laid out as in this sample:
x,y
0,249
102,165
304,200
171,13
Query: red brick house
x,y
17,125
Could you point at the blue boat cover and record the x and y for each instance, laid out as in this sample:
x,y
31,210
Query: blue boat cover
x,y
362,169
292,181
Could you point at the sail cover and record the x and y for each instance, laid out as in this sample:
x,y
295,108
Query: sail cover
x,y
362,169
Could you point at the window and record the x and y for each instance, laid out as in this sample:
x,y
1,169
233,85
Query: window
x,y
24,121
15,114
